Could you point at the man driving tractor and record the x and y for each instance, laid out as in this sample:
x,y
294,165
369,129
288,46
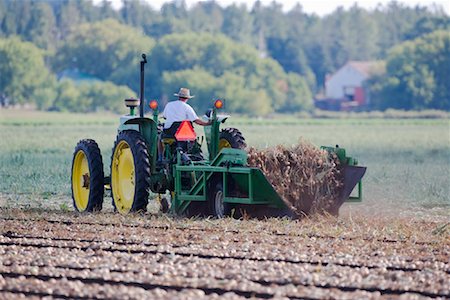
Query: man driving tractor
x,y
178,111
175,113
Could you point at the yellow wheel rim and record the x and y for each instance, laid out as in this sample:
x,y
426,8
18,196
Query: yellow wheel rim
x,y
80,180
223,143
123,177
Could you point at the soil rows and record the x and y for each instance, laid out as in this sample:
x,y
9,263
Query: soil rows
x,y
105,256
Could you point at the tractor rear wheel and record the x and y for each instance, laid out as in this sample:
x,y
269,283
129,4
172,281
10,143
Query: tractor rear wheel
x,y
130,172
231,138
87,177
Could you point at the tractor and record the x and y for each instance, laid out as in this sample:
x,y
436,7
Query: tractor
x,y
174,168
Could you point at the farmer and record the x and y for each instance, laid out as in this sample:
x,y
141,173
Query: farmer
x,y
178,111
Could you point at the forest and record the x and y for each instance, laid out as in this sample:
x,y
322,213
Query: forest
x,y
74,55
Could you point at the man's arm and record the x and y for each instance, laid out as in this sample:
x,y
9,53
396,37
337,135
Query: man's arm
x,y
192,116
202,123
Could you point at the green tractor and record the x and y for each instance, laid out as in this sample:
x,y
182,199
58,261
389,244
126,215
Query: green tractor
x,y
176,170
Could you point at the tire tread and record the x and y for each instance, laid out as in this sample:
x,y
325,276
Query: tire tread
x,y
141,166
96,181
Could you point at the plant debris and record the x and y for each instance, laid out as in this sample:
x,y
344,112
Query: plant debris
x,y
307,178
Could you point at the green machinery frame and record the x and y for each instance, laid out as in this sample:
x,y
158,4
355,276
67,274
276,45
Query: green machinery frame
x,y
347,162
229,164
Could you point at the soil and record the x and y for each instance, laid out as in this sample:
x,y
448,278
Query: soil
x,y
104,255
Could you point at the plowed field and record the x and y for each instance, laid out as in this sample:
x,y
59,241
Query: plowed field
x,y
98,256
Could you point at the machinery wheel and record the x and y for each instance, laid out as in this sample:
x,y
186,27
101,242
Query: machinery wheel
x,y
130,172
87,177
231,138
216,207
165,206
165,202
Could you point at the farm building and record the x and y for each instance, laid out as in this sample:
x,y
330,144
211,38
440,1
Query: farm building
x,y
345,89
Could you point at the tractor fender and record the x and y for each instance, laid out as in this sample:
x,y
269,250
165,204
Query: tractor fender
x,y
149,131
146,126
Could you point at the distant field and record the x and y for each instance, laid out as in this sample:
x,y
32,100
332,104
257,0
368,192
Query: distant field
x,y
408,160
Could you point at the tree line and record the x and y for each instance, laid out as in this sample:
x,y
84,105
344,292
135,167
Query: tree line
x,y
261,58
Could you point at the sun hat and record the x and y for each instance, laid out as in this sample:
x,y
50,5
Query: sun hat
x,y
184,93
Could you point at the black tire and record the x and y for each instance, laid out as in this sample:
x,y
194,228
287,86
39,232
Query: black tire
x,y
92,181
142,172
233,137
165,206
216,207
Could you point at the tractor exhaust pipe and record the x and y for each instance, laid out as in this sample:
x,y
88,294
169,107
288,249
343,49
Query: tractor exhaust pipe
x,y
141,98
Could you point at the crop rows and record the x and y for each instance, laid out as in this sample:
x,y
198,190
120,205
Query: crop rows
x,y
82,259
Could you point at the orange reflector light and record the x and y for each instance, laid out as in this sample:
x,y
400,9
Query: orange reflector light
x,y
153,104
218,104
185,132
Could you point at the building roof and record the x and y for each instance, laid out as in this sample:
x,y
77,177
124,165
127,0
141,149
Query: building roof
x,y
367,68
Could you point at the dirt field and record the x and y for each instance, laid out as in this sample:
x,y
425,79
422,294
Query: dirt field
x,y
66,255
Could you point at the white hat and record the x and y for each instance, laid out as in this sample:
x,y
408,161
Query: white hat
x,y
184,93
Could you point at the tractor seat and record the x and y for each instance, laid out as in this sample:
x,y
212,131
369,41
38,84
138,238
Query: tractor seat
x,y
169,133
168,140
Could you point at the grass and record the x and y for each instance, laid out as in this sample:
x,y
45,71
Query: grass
x,y
408,160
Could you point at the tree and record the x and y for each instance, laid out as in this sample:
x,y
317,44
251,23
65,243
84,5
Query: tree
x,y
394,22
348,35
10,22
209,63
418,74
206,17
237,23
69,98
41,28
91,96
175,9
427,25
69,17
93,39
202,84
107,50
24,76
107,11
136,13
108,96
206,88
3,13
299,97
289,53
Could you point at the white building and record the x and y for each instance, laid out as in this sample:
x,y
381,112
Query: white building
x,y
346,84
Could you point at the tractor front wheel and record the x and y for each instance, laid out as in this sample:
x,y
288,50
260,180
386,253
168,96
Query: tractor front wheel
x,y
87,177
130,172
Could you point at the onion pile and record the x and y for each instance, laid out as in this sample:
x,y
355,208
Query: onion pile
x,y
307,178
